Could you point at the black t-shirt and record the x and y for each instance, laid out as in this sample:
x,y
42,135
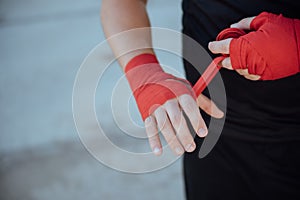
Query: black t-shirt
x,y
257,154
255,109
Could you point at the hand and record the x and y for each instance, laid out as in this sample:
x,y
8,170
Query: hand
x,y
262,53
169,119
223,47
161,99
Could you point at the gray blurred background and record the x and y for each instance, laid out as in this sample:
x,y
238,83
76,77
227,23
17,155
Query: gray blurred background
x,y
43,44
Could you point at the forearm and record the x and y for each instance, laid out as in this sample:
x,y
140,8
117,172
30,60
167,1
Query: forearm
x,y
122,15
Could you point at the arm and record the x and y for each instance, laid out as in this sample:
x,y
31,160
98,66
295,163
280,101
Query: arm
x,y
141,66
118,16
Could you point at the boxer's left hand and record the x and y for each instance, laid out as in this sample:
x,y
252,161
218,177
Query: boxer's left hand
x,y
270,51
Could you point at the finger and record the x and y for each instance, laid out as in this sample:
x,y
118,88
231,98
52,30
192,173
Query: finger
x,y
178,122
252,77
242,72
245,73
221,46
209,107
226,63
153,137
190,107
168,131
243,24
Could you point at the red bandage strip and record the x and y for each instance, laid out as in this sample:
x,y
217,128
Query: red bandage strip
x,y
208,75
151,86
214,66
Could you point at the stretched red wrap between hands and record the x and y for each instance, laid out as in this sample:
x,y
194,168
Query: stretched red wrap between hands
x,y
270,50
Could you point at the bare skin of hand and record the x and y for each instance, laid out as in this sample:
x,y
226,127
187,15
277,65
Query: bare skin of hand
x,y
169,119
224,45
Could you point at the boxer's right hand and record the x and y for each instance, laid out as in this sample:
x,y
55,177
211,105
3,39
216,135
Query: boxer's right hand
x,y
269,51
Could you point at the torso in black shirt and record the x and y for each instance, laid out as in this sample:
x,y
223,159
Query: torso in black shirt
x,y
257,155
263,108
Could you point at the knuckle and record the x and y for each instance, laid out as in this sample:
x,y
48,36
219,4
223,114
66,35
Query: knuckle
x,y
195,121
189,107
153,141
159,110
186,140
242,22
184,134
188,104
173,142
184,97
166,129
152,132
194,118
170,103
223,47
176,119
241,72
161,124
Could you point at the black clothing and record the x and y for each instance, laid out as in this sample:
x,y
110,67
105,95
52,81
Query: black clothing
x,y
257,155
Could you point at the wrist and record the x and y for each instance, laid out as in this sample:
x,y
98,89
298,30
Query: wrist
x,y
141,60
151,86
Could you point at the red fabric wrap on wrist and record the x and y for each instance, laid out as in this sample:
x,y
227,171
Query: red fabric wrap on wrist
x,y
271,50
151,86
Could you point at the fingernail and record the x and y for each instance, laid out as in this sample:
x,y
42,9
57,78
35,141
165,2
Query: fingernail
x,y
202,132
190,147
179,151
156,150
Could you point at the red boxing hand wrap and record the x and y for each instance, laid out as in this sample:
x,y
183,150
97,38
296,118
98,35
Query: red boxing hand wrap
x,y
151,86
214,66
271,50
